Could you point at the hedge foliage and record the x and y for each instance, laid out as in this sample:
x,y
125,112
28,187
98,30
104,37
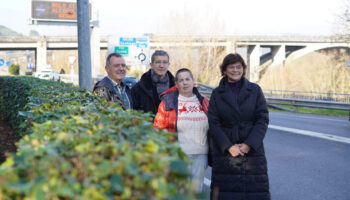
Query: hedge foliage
x,y
78,146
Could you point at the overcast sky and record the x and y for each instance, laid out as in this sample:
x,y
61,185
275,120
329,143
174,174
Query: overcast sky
x,y
246,17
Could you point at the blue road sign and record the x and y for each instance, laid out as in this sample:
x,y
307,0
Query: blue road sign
x,y
124,41
348,63
2,62
8,63
40,9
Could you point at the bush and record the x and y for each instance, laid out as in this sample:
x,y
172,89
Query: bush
x,y
76,145
14,69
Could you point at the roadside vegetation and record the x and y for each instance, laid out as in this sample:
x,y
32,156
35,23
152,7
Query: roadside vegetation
x,y
323,72
317,111
75,145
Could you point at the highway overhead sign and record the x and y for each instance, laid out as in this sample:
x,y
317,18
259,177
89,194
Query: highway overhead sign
x,y
55,11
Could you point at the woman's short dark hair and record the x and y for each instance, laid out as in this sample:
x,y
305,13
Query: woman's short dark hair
x,y
183,70
231,59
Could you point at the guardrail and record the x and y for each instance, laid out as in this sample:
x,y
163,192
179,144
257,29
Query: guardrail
x,y
326,96
309,103
296,98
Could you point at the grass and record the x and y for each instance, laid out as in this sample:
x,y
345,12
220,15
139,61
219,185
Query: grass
x,y
317,111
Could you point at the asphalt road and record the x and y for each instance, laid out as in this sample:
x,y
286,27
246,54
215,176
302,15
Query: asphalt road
x,y
305,167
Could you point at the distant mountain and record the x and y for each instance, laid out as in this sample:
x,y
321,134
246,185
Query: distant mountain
x,y
4,31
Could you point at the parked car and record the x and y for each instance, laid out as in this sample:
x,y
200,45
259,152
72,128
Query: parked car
x,y
130,81
47,74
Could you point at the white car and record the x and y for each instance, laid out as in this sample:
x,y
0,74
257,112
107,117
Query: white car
x,y
47,74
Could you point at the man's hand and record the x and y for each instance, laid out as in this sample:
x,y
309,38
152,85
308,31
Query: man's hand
x,y
235,151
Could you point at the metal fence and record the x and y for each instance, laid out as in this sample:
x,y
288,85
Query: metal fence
x,y
307,95
297,98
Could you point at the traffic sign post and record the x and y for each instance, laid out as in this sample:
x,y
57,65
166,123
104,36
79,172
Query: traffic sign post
x,y
71,60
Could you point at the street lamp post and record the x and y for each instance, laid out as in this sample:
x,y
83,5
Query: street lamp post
x,y
84,48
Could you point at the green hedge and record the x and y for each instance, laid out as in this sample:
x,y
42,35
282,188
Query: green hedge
x,y
78,146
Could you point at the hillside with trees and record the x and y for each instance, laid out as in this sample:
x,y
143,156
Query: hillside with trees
x,y
321,71
4,31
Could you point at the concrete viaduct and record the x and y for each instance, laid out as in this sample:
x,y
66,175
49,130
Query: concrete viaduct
x,y
280,47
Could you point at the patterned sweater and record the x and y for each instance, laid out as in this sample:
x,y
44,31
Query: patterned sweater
x,y
192,126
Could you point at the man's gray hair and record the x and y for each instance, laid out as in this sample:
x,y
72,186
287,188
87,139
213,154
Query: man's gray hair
x,y
159,53
108,59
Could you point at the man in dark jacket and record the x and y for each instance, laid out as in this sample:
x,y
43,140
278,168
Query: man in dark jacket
x,y
111,86
145,94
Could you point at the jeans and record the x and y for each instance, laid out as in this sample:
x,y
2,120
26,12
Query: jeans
x,y
197,167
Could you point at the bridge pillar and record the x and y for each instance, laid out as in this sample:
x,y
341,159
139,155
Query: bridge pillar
x,y
230,47
253,62
95,50
41,54
278,54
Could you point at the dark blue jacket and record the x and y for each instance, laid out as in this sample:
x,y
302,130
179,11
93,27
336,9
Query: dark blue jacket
x,y
144,94
235,120
105,88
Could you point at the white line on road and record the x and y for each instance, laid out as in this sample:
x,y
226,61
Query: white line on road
x,y
312,134
326,136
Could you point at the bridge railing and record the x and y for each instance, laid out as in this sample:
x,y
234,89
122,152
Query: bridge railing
x,y
308,95
338,101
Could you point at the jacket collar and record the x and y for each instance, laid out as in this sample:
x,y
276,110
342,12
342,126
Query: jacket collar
x,y
244,92
228,96
170,96
106,82
146,82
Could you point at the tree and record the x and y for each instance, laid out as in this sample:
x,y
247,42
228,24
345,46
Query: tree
x,y
34,33
342,22
187,31
14,69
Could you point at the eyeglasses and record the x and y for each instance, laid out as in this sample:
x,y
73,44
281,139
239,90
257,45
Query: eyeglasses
x,y
158,62
237,67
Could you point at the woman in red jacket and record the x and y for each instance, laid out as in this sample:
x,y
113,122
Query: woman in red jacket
x,y
184,109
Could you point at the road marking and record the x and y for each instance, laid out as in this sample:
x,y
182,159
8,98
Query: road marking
x,y
312,134
326,136
207,182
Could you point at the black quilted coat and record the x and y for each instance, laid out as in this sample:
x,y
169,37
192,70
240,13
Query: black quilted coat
x,y
234,120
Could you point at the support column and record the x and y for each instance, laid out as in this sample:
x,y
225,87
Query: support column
x,y
95,51
253,62
230,47
278,54
41,54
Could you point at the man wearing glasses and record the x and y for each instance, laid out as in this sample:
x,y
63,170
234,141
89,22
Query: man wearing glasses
x,y
145,94
111,86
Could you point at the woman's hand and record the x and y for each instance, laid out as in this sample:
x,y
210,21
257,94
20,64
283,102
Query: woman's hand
x,y
244,148
235,151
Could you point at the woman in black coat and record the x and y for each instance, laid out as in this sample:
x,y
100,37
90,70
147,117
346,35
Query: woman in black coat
x,y
238,120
